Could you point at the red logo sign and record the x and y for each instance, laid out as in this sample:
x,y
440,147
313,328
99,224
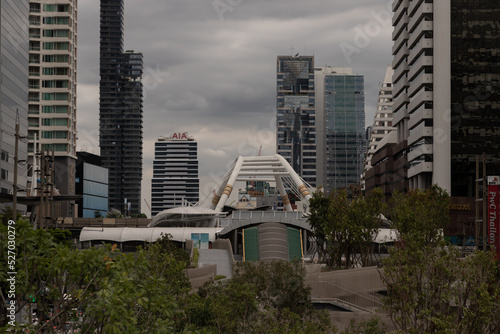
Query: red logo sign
x,y
180,136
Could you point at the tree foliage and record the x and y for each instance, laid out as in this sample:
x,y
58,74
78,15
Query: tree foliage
x,y
420,216
262,297
371,326
344,226
430,288
97,290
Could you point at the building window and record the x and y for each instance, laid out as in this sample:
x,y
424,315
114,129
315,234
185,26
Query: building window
x,y
5,156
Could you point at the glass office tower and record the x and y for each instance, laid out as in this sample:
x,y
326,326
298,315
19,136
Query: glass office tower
x,y
14,44
343,127
296,123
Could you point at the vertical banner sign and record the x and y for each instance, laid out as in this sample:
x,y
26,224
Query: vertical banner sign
x,y
196,240
494,213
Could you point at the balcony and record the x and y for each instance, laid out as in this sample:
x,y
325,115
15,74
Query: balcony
x,y
421,27
421,62
399,116
400,42
399,5
420,113
420,131
423,167
399,101
421,80
422,9
421,97
422,149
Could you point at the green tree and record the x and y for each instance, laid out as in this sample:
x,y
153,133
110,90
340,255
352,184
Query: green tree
x,y
344,226
371,326
114,214
98,290
262,297
430,288
420,216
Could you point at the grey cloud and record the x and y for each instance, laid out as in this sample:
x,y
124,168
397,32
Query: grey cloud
x,y
217,77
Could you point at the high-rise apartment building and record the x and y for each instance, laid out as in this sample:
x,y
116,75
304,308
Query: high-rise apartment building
x,y
382,122
296,115
52,89
446,90
120,110
446,111
340,115
175,173
14,45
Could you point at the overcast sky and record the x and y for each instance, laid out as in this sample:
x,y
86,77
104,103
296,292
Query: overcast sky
x,y
210,68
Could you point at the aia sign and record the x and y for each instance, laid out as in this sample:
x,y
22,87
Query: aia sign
x,y
180,136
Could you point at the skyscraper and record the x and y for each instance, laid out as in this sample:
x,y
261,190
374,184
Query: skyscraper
x,y
13,91
296,115
175,172
52,89
446,90
120,111
340,115
382,122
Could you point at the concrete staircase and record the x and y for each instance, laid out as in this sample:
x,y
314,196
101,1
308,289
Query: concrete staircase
x,y
219,257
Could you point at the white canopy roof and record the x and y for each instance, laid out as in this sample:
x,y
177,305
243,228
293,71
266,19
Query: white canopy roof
x,y
184,213
386,235
151,234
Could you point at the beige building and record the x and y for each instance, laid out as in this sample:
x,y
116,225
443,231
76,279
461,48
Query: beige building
x,y
52,88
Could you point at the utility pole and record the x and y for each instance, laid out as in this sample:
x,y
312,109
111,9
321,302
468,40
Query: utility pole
x,y
481,219
485,202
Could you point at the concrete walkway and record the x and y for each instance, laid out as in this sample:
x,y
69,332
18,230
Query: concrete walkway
x,y
219,257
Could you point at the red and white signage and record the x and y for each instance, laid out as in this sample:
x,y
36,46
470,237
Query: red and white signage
x,y
494,213
180,136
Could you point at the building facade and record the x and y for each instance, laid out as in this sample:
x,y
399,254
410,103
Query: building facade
x,y
175,179
92,185
382,122
52,90
14,45
446,92
446,84
120,110
296,114
341,136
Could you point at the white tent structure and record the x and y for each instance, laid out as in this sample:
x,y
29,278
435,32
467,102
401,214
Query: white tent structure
x,y
256,168
272,168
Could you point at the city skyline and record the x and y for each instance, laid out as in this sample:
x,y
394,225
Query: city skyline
x,y
214,75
